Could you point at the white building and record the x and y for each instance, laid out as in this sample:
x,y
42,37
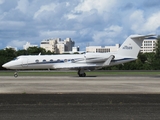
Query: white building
x,y
57,45
149,45
99,49
9,47
27,45
75,49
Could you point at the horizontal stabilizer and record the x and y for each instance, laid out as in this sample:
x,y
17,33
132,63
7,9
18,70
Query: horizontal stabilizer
x,y
141,36
108,61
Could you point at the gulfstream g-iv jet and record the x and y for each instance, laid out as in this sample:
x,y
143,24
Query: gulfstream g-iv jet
x,y
81,62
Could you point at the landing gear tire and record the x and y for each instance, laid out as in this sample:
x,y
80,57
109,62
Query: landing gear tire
x,y
15,75
82,75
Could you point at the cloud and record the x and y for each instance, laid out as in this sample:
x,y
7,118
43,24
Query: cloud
x,y
140,24
151,4
152,23
1,1
44,9
58,34
23,5
11,24
99,5
86,8
104,37
101,22
136,20
113,30
17,43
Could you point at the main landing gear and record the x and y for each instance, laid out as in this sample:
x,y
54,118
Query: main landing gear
x,y
81,73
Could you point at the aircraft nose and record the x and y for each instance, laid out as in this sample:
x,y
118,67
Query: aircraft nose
x,y
5,65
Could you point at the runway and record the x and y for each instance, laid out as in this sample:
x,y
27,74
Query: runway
x,y
80,106
71,97
73,84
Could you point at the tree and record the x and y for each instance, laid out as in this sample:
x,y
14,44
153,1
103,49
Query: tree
x,y
36,51
6,55
21,52
156,58
149,63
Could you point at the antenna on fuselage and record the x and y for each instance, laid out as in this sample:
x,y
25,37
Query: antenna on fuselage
x,y
39,53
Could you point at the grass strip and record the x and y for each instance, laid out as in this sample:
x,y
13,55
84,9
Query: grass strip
x,y
74,73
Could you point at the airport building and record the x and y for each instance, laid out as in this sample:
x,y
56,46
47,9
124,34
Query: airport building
x,y
149,45
75,49
57,45
67,46
99,49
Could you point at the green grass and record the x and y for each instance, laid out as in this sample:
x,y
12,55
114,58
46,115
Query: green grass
x,y
37,73
125,73
74,73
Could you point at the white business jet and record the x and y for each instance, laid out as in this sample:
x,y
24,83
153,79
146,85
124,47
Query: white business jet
x,y
80,62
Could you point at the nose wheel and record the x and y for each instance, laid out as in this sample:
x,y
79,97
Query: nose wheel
x,y
15,74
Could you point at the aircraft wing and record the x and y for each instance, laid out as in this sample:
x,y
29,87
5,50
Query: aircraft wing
x,y
108,61
74,66
89,64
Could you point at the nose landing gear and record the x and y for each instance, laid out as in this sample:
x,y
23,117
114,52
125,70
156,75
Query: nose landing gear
x,y
16,74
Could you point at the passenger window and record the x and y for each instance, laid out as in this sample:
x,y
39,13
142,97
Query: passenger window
x,y
37,61
51,60
44,60
72,60
58,60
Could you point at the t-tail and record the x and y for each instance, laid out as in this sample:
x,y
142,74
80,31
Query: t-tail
x,y
132,45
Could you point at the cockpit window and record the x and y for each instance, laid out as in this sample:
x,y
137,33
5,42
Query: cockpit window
x,y
16,58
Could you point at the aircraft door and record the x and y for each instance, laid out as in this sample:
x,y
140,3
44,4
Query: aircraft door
x,y
85,56
24,62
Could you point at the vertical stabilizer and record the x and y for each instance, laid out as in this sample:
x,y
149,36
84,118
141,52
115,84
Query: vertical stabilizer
x,y
132,45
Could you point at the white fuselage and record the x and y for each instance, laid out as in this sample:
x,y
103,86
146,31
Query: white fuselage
x,y
73,61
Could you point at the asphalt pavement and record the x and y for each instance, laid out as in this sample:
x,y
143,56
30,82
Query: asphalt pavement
x,y
74,98
80,106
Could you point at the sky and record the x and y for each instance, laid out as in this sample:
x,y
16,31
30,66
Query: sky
x,y
87,22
